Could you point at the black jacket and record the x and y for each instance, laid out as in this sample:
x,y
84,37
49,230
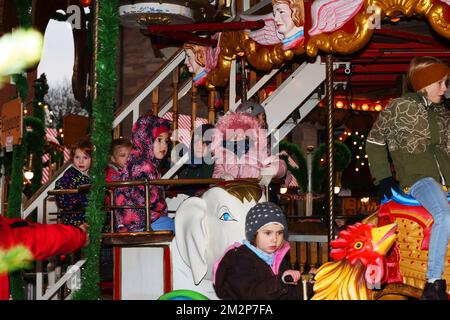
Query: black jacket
x,y
242,275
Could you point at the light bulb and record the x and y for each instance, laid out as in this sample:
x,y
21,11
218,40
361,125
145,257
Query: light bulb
x,y
283,190
29,174
337,190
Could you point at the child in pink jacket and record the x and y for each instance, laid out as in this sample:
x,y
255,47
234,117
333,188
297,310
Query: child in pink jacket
x,y
240,150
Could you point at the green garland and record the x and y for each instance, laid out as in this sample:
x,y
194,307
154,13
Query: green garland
x,y
21,84
16,185
101,137
301,173
342,158
16,188
41,89
35,142
14,207
24,12
15,194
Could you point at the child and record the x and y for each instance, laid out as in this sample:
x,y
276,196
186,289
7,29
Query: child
x,y
259,268
118,155
256,110
198,166
150,144
42,240
240,150
73,206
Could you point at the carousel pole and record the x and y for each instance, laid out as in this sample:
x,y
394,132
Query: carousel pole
x,y
155,101
226,100
330,149
194,107
243,80
175,80
211,102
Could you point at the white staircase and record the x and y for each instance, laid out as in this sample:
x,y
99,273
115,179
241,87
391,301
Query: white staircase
x,y
299,91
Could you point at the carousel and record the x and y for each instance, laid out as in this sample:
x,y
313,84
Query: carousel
x,y
320,70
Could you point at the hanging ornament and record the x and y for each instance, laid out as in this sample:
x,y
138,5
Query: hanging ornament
x,y
85,3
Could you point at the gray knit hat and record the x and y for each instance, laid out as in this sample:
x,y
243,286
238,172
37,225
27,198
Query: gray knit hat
x,y
250,107
262,214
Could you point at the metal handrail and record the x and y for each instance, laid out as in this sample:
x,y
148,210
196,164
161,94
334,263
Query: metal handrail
x,y
146,184
164,182
57,192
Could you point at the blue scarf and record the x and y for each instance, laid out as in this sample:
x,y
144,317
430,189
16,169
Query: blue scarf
x,y
266,257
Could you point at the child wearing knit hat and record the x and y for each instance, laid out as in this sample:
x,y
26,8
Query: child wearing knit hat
x,y
259,267
256,110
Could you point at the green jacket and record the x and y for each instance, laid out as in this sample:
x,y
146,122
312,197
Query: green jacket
x,y
417,136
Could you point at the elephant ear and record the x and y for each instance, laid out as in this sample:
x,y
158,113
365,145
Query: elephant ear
x,y
191,236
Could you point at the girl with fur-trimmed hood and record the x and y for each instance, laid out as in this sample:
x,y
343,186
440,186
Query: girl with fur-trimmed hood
x,y
150,144
240,150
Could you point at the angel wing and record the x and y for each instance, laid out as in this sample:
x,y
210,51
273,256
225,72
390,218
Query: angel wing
x,y
330,15
212,54
267,35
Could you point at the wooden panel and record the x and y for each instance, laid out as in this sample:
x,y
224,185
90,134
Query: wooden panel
x,y
75,128
142,273
303,255
293,255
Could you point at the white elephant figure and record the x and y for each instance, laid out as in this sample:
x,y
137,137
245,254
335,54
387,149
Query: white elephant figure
x,y
205,228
